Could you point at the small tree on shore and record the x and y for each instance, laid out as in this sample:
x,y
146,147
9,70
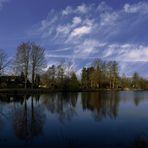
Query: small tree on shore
x,y
4,62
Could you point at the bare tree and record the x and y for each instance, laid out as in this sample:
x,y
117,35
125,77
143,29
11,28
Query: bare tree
x,y
4,62
68,68
22,60
113,74
38,61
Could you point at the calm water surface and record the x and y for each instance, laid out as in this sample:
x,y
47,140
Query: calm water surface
x,y
104,119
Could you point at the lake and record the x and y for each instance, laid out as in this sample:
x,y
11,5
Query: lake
x,y
88,119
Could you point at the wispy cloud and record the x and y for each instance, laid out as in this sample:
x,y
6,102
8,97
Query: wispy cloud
x,y
97,30
76,20
80,31
140,7
82,9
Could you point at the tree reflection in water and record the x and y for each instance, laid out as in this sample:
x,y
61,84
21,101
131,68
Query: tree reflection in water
x,y
28,119
138,98
62,104
6,99
101,106
31,117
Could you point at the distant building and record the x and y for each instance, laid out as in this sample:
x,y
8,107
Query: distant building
x,y
13,82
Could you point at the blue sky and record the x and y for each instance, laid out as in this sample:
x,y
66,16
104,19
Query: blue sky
x,y
79,30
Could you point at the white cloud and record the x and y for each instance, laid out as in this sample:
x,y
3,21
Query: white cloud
x,y
47,23
127,52
82,8
86,48
108,18
103,7
139,54
141,7
63,29
76,20
100,32
67,11
89,22
80,31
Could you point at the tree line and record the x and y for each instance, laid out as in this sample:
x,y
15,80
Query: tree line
x,y
30,61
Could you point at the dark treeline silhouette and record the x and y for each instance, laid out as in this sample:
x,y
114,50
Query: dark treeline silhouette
x,y
28,71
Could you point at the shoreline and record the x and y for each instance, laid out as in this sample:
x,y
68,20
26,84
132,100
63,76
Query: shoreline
x,y
47,90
